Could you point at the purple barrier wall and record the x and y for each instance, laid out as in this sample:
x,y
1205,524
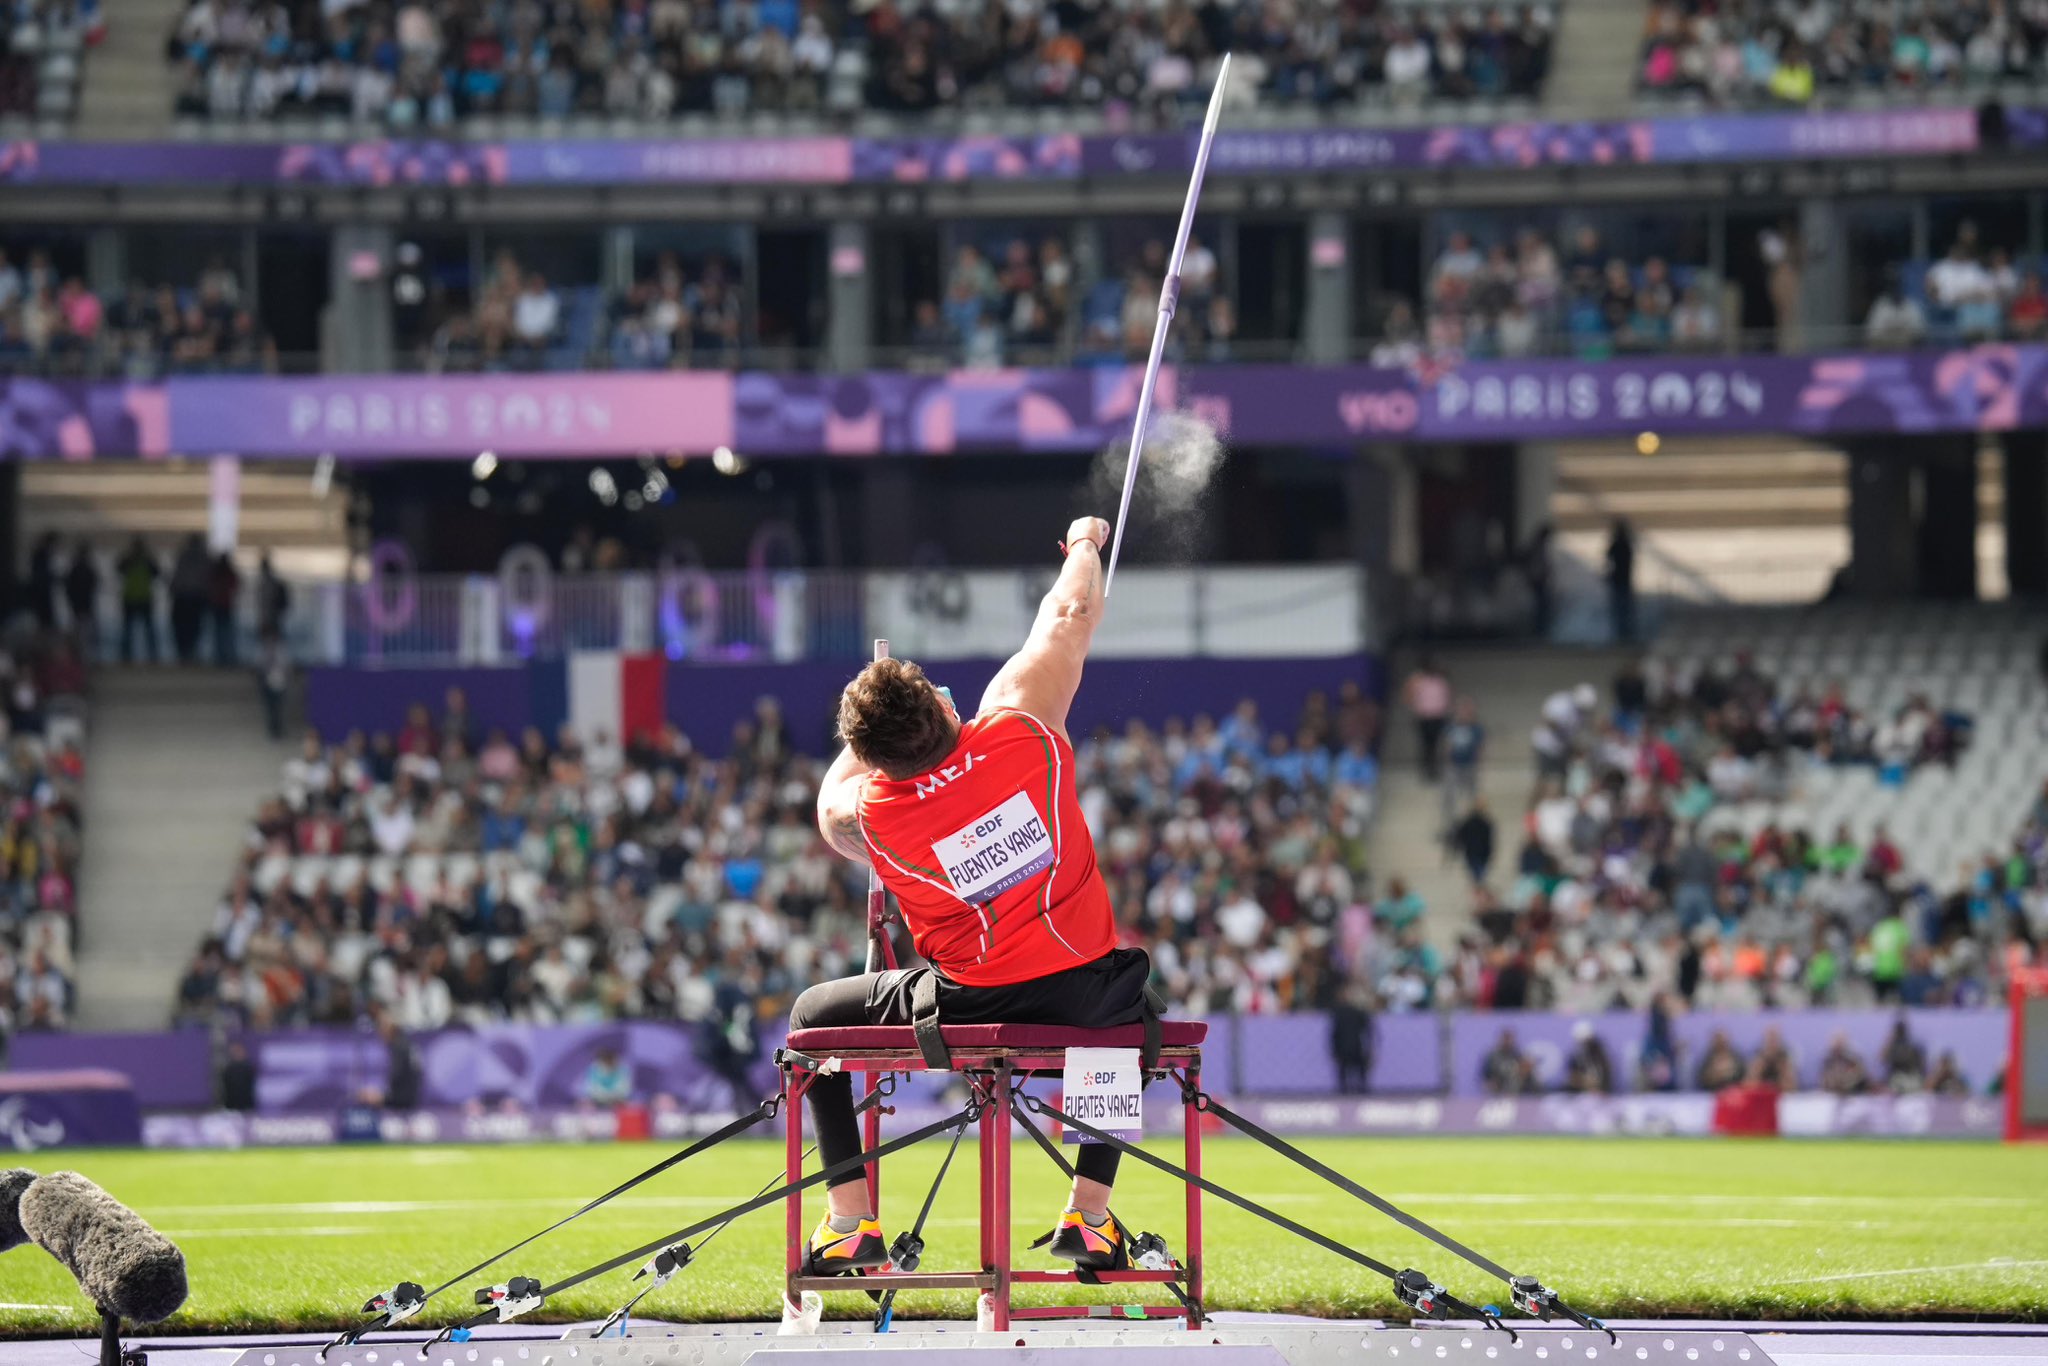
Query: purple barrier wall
x,y
707,699
1288,1055
1983,388
1977,1037
170,1071
1053,156
1799,1116
1276,1056
80,1108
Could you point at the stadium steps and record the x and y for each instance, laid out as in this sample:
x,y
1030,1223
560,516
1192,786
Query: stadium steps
x,y
1594,60
1509,685
165,501
129,88
176,762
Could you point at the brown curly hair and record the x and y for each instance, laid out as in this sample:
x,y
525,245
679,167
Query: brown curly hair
x,y
894,719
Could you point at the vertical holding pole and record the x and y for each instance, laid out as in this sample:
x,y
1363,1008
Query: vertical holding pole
x,y
999,1114
881,957
110,1339
1191,1141
793,1170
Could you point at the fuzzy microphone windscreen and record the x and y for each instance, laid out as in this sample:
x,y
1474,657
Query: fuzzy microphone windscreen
x,y
123,1265
12,1183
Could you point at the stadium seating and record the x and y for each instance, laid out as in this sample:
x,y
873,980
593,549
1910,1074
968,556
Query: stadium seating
x,y
1978,661
43,722
1851,55
43,45
442,64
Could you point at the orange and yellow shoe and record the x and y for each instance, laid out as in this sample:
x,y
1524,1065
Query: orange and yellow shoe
x,y
1096,1247
833,1253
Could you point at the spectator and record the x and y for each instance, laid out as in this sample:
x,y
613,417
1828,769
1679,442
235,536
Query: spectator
x,y
536,317
238,1079
1773,1064
1507,1071
1842,1073
223,590
139,573
191,582
1588,1070
82,594
1621,580
1427,694
2026,317
1947,1078
1905,1061
273,600
402,1073
1658,1063
273,681
1473,837
607,1082
1721,1066
1464,747
1895,319
1962,288
1352,1040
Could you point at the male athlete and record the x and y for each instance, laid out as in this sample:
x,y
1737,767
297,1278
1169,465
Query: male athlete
x,y
974,825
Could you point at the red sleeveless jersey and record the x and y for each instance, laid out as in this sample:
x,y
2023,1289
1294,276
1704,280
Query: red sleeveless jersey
x,y
989,857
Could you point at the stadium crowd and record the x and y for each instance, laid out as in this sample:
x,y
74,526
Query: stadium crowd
x,y
51,323
1525,297
1750,53
1590,1068
446,874
1626,887
679,314
42,679
43,44
418,64
1973,293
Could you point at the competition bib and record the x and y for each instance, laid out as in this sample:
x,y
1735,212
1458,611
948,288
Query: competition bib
x,y
996,851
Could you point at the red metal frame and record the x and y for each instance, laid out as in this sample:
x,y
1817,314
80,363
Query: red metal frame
x,y
2026,984
990,1071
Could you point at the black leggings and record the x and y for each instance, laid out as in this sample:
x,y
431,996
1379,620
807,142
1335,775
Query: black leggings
x,y
1097,995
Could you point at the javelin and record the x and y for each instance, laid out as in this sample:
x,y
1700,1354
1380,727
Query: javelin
x,y
1169,298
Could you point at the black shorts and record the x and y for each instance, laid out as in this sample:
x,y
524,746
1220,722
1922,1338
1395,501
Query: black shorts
x,y
1109,991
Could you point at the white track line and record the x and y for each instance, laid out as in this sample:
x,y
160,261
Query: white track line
x,y
267,1231
53,1308
1995,1264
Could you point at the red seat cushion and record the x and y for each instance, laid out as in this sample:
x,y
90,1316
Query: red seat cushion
x,y
1172,1034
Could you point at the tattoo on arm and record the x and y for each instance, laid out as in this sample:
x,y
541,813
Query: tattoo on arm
x,y
842,832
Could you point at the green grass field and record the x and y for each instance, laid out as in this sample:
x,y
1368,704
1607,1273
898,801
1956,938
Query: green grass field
x,y
292,1239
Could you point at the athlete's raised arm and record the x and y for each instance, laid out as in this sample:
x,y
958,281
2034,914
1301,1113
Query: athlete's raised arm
x,y
839,805
1042,678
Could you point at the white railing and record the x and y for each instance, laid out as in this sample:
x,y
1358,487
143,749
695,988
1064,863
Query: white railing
x,y
789,614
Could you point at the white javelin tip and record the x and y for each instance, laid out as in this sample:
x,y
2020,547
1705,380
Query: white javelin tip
x,y
1216,97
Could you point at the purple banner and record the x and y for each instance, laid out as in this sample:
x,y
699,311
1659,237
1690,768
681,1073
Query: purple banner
x,y
1983,388
1641,1116
80,1108
708,698
834,160
1978,1038
370,415
169,1071
529,1067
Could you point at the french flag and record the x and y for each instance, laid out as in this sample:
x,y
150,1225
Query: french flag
x,y
617,694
